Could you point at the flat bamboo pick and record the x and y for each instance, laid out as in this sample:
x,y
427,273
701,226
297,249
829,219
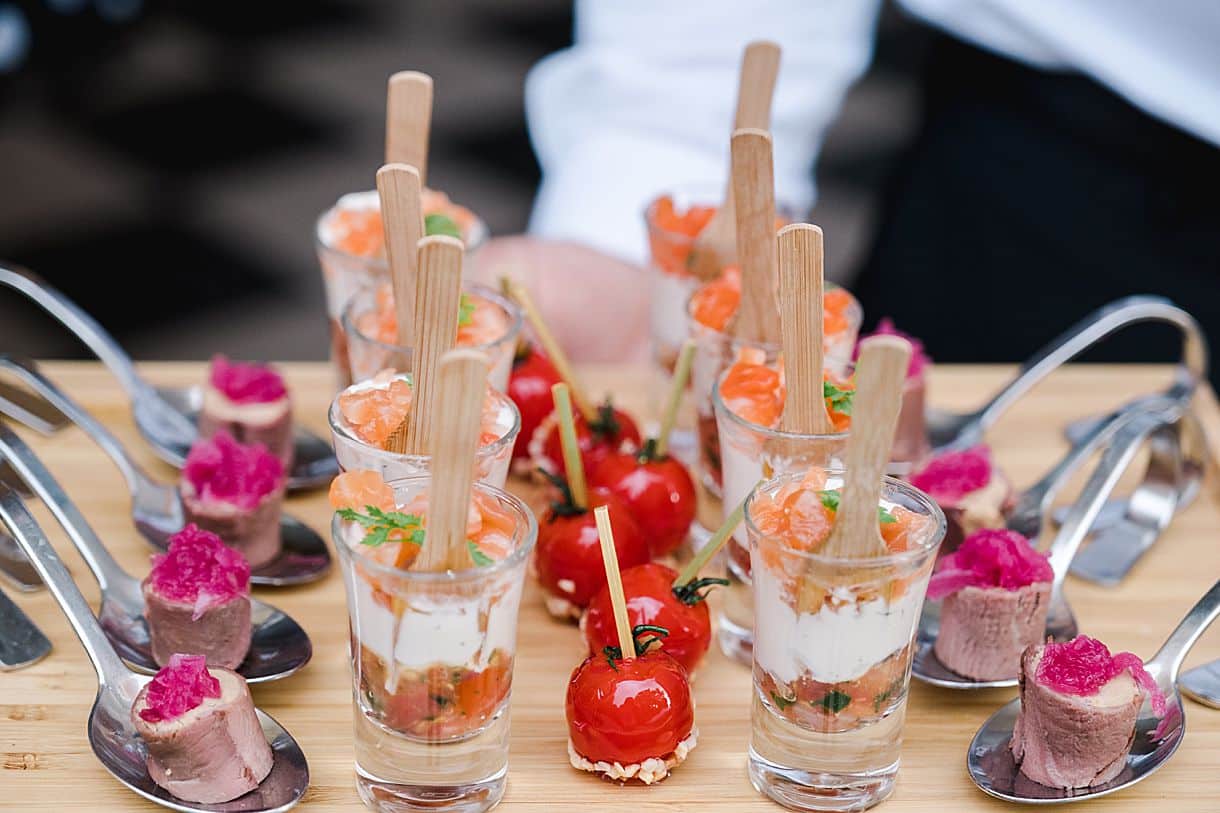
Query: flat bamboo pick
x,y
461,382
800,305
713,546
438,301
518,293
402,214
677,389
614,579
572,463
880,373
716,245
754,192
408,120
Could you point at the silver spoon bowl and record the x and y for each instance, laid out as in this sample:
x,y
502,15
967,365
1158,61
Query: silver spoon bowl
x,y
1133,430
993,769
165,416
111,734
157,509
22,643
278,645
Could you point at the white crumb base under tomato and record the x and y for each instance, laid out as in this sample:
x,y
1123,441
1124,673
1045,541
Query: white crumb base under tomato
x,y
649,771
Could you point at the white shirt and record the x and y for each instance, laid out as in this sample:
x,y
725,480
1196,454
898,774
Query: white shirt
x,y
643,101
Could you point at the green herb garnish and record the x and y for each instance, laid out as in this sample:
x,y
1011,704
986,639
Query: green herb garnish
x,y
465,311
830,499
379,524
437,223
838,400
885,516
833,701
480,558
781,702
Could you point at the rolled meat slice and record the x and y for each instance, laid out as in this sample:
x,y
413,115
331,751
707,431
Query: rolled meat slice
x,y
969,488
202,733
251,403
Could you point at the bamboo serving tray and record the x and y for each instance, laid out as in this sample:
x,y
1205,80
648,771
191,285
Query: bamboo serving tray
x,y
46,763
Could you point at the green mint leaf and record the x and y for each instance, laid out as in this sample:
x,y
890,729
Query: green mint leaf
x,y
437,223
884,515
830,499
834,701
480,558
465,311
781,702
839,400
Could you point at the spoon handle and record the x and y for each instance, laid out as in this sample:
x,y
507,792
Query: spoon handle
x,y
1177,646
1084,334
25,530
27,370
84,326
35,475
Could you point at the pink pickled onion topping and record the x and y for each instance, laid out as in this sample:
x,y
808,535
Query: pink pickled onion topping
x,y
1083,665
200,568
990,558
179,687
246,383
953,475
920,360
224,470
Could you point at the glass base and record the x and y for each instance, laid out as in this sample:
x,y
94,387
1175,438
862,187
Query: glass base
x,y
736,642
394,797
805,790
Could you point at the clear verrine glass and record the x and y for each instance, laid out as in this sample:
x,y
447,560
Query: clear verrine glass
x,y
832,651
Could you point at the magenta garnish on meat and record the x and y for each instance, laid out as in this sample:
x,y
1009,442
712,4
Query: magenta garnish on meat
x,y
920,360
950,476
246,383
990,558
200,569
178,687
1083,665
223,470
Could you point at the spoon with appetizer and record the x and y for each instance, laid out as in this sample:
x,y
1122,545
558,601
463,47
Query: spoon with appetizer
x,y
231,488
171,419
189,738
196,599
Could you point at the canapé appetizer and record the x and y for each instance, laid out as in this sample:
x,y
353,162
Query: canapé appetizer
x,y
970,489
203,737
236,492
197,599
251,403
996,590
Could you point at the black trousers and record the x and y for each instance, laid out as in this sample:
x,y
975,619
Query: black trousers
x,y
1030,198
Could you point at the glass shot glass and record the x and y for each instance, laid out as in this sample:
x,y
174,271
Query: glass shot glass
x,y
351,264
750,453
832,649
369,325
432,663
501,424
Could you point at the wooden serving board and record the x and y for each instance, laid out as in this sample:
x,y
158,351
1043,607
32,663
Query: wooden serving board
x,y
46,763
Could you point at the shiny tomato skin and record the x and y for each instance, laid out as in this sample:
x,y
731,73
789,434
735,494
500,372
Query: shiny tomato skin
x,y
568,548
651,600
635,710
529,387
593,450
659,493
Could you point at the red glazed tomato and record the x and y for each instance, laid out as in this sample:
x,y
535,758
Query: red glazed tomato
x,y
658,491
653,600
630,710
568,557
612,430
529,386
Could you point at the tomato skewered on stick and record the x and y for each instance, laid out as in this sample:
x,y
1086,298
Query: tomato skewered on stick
x,y
656,488
629,708
659,596
529,386
568,556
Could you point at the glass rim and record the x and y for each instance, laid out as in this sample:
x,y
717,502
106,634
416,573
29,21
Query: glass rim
x,y
489,450
767,432
528,538
515,319
891,484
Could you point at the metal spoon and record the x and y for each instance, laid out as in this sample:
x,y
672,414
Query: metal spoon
x,y
1060,621
157,509
1202,684
993,769
22,644
111,734
166,416
947,430
278,646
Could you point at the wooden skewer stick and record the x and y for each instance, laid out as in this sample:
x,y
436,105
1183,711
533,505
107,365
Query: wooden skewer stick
x,y
713,546
614,579
754,192
800,304
438,301
677,389
408,120
402,214
716,245
550,345
572,463
461,382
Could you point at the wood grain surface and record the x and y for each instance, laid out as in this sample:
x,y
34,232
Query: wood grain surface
x,y
46,764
